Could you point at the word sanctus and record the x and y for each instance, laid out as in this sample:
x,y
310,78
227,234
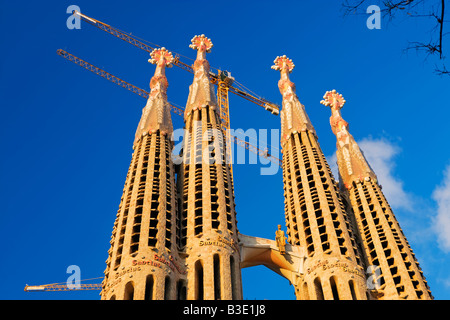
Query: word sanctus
x,y
221,242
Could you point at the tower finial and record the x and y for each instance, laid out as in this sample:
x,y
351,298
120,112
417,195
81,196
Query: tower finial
x,y
293,115
283,63
201,43
352,164
201,91
333,99
156,113
161,56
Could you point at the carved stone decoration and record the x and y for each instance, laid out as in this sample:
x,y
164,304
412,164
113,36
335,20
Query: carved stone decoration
x,y
201,91
156,113
293,114
280,239
351,161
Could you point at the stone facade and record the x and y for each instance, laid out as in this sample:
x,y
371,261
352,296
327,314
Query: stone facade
x,y
175,236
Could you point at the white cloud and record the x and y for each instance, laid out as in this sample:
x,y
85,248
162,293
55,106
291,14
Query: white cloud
x,y
442,220
380,155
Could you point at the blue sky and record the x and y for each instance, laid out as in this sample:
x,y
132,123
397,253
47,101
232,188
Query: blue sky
x,y
66,134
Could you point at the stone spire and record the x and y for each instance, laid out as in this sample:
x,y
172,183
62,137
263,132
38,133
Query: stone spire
x,y
201,91
209,234
315,216
351,161
293,115
396,271
156,113
143,260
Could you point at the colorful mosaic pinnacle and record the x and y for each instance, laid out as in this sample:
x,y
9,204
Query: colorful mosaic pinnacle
x,y
201,43
333,99
283,62
293,115
353,167
201,91
156,113
161,55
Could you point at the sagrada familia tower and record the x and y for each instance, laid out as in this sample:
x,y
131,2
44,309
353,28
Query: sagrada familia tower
x,y
175,236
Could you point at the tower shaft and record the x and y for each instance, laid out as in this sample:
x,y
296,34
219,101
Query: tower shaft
x,y
315,215
208,195
396,272
143,260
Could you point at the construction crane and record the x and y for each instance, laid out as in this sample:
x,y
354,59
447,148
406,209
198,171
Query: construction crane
x,y
225,83
63,286
141,92
223,77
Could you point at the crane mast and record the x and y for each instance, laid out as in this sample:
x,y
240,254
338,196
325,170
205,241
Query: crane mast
x,y
62,287
222,99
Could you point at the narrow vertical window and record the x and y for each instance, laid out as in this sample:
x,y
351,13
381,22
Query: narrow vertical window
x,y
334,288
351,283
167,288
181,290
217,289
129,291
318,288
233,279
149,288
305,291
198,281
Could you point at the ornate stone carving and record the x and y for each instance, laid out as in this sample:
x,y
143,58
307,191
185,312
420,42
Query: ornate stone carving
x,y
201,92
293,114
156,113
351,161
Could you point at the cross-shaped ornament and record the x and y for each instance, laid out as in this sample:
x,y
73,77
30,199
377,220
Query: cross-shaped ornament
x,y
161,56
201,43
333,99
283,63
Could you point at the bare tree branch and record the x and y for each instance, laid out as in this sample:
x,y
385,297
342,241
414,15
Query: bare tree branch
x,y
441,22
429,48
390,8
442,71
